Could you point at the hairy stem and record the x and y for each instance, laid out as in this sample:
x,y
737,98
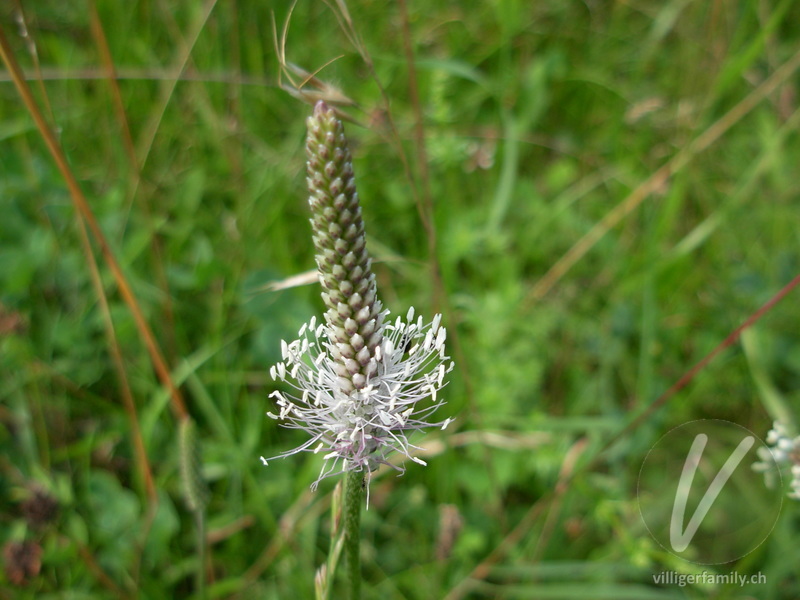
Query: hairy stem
x,y
354,492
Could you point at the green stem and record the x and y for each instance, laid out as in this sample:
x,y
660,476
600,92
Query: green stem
x,y
200,576
353,494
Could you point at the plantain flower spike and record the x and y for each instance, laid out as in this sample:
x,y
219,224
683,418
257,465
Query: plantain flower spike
x,y
784,451
357,378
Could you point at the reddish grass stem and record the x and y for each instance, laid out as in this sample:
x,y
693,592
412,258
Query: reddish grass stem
x,y
85,212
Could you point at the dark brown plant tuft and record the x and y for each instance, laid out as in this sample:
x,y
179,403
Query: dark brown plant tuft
x,y
40,509
23,561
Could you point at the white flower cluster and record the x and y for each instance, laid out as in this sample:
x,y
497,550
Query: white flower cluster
x,y
359,429
785,450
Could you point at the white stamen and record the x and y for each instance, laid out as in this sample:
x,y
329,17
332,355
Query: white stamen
x,y
358,429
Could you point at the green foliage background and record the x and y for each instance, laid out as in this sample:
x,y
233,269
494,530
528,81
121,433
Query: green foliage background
x,y
539,119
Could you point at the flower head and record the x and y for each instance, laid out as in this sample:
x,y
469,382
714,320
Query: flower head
x,y
785,450
358,378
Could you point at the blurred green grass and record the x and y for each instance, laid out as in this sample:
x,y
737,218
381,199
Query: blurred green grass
x,y
539,119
